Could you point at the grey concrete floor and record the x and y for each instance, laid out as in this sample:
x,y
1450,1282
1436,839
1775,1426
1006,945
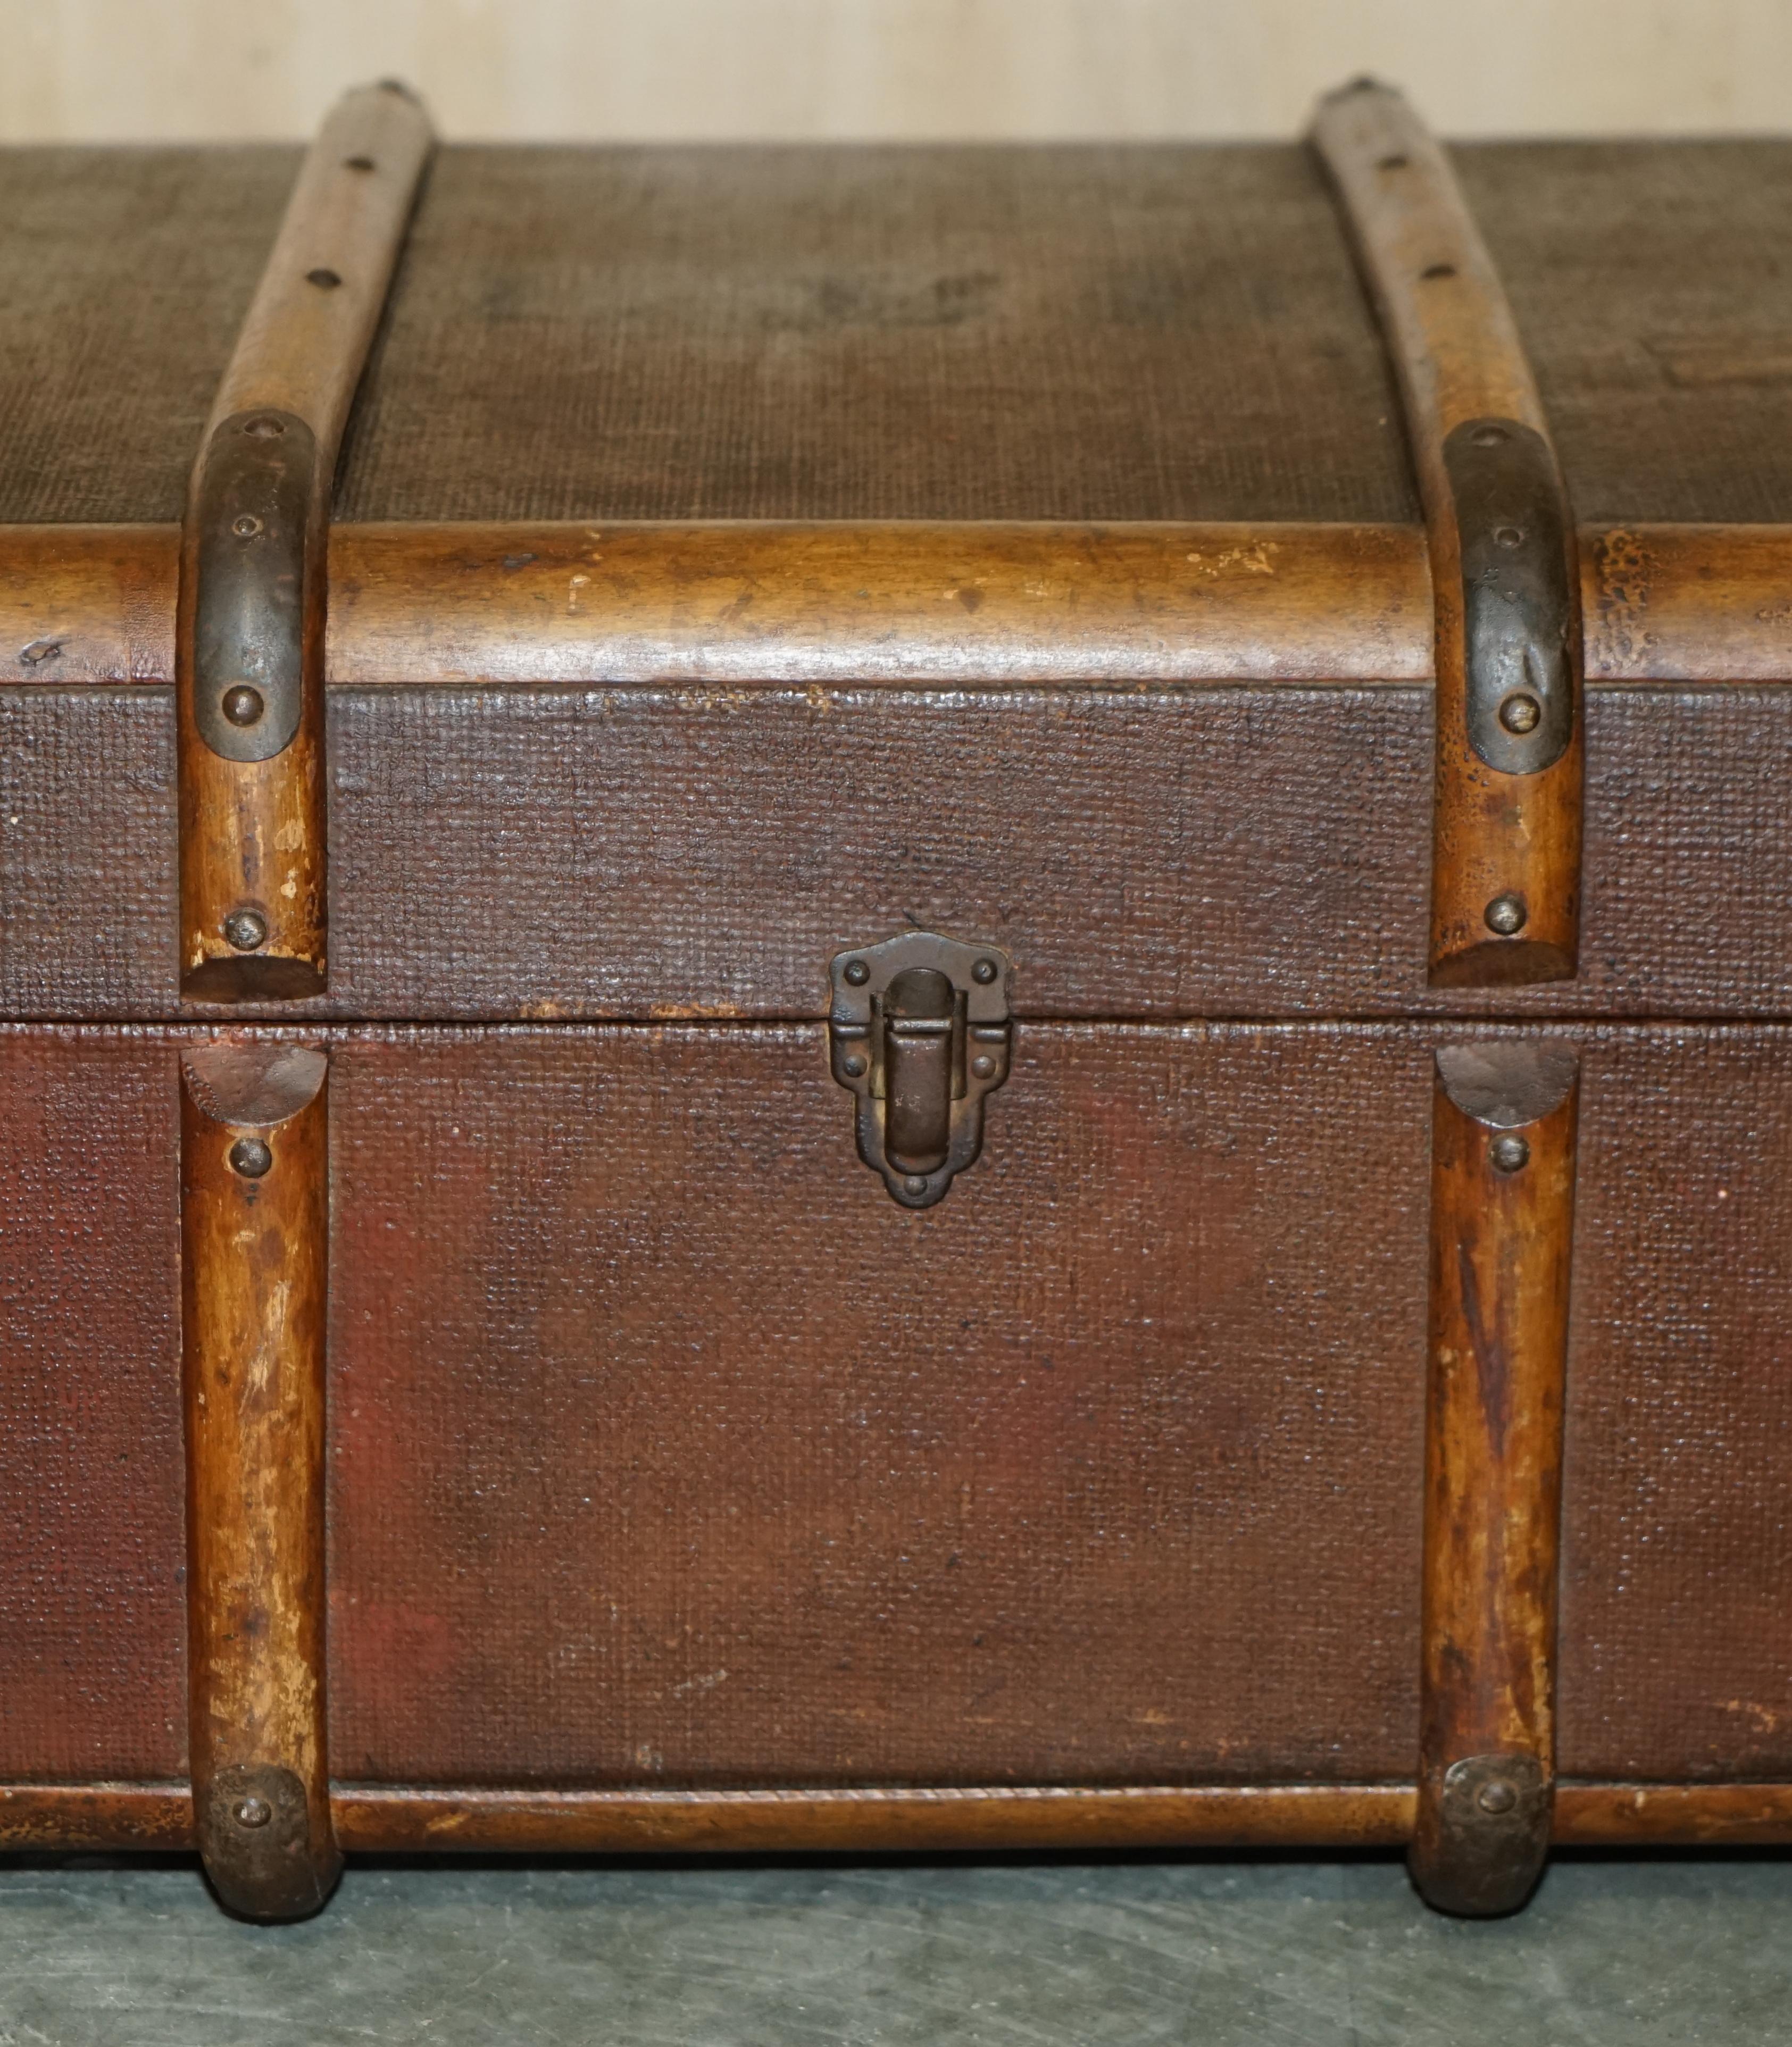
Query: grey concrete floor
x,y
943,1954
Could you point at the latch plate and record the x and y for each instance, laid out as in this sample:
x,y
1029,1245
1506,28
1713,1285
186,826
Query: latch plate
x,y
919,1030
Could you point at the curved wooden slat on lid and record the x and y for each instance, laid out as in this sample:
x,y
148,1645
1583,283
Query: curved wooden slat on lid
x,y
1506,852
250,637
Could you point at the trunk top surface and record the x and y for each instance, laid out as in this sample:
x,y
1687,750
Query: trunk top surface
x,y
1063,332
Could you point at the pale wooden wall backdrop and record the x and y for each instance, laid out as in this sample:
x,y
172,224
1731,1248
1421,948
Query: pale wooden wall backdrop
x,y
126,69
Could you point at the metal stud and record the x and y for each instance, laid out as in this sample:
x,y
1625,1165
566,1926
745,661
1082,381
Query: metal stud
x,y
252,1812
853,1067
1521,713
251,1157
915,1185
1498,1795
984,972
858,973
243,705
246,929
1507,915
1509,1152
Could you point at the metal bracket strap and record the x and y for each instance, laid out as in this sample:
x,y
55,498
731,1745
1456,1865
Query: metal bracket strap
x,y
248,649
1506,826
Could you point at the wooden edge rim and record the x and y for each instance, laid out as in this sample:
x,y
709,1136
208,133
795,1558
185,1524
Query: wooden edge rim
x,y
424,605
110,1818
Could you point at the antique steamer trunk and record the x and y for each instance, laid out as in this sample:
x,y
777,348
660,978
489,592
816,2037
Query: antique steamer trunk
x,y
883,998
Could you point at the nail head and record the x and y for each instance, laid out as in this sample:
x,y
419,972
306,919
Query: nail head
x,y
246,929
1521,713
1498,1795
1507,914
251,1157
253,1812
858,973
1509,1152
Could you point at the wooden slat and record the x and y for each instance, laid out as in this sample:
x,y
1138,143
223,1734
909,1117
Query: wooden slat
x,y
497,604
1506,844
1502,1213
253,841
254,1237
378,1818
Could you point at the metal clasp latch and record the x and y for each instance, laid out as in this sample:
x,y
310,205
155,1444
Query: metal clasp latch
x,y
919,1030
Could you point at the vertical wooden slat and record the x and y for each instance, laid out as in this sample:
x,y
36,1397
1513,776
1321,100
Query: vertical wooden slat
x,y
254,1233
1502,1227
249,634
1506,827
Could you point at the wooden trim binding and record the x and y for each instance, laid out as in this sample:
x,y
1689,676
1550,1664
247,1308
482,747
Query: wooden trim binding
x,y
254,1200
250,647
494,605
1506,857
116,1818
1502,1224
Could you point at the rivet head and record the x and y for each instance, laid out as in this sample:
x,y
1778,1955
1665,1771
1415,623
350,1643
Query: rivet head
x,y
265,427
984,972
858,973
1510,1153
246,929
325,281
1488,437
915,1185
983,1066
243,705
854,1068
245,525
251,1157
1520,713
1498,1795
251,1813
1509,536
1507,914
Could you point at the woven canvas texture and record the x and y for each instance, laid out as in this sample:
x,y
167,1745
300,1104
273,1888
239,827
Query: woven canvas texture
x,y
1030,332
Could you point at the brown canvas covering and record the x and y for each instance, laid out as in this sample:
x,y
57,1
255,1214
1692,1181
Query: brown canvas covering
x,y
667,1457
1045,333
621,1399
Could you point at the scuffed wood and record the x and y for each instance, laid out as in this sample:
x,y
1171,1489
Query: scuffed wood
x,y
254,1253
452,605
1503,1124
1458,358
252,832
